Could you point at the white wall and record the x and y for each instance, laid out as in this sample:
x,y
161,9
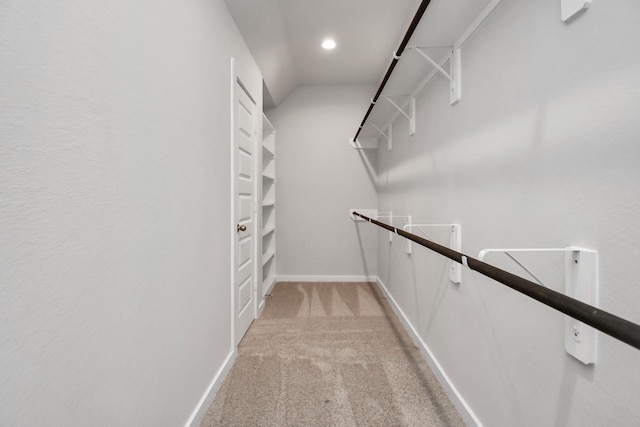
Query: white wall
x,y
114,213
542,151
318,178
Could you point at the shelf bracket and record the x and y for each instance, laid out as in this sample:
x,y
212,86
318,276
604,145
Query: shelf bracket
x,y
454,73
391,216
581,283
412,113
431,61
455,243
388,136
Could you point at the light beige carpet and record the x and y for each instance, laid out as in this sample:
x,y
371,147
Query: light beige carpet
x,y
329,354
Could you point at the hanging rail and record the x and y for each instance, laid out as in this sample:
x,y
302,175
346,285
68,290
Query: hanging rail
x,y
617,327
396,57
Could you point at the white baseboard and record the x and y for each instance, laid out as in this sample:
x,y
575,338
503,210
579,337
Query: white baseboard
x,y
327,278
456,398
205,401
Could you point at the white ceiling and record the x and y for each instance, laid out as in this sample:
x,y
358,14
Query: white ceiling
x,y
285,35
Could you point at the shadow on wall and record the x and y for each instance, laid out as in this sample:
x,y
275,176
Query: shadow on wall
x,y
571,372
369,160
363,255
571,121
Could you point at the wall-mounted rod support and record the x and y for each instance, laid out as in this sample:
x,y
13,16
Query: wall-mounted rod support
x,y
432,62
388,136
388,98
483,253
514,259
412,113
380,131
617,327
391,217
396,56
581,283
455,243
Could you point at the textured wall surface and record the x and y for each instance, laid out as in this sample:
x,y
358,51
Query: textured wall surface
x,y
542,151
318,178
114,216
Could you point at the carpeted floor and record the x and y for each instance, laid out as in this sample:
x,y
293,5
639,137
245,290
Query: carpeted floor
x,y
329,354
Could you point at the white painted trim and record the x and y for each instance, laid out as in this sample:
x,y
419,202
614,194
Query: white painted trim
x,y
326,278
205,401
232,85
456,398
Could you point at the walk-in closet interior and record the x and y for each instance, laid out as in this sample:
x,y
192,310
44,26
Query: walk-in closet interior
x,y
319,212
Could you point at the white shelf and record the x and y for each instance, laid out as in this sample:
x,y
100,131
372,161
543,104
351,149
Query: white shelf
x,y
268,255
268,220
268,176
269,151
268,229
268,205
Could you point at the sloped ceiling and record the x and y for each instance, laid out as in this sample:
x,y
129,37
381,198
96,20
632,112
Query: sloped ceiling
x,y
284,37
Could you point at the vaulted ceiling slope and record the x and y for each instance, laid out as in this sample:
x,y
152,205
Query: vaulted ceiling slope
x,y
284,37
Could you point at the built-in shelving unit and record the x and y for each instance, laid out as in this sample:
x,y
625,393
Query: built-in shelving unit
x,y
268,205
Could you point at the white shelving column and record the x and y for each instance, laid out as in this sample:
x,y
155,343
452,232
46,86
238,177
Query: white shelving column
x,y
268,205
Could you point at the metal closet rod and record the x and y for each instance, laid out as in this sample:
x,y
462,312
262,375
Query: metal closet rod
x,y
617,327
396,56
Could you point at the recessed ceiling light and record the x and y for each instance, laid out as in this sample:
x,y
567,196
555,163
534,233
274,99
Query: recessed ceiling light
x,y
328,44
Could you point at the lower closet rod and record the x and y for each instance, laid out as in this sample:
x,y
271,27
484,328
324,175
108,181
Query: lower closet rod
x,y
617,327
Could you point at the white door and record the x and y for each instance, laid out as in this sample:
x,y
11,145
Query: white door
x,y
244,142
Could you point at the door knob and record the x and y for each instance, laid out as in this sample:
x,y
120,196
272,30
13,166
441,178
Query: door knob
x,y
240,228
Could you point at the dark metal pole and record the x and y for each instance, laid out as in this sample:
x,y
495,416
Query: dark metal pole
x,y
403,44
617,327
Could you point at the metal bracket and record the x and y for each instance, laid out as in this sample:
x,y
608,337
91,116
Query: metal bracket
x,y
454,74
412,112
581,283
388,136
455,243
391,216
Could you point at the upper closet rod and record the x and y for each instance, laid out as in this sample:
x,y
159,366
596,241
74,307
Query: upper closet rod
x,y
396,57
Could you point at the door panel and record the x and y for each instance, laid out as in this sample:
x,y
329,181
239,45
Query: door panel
x,y
245,140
